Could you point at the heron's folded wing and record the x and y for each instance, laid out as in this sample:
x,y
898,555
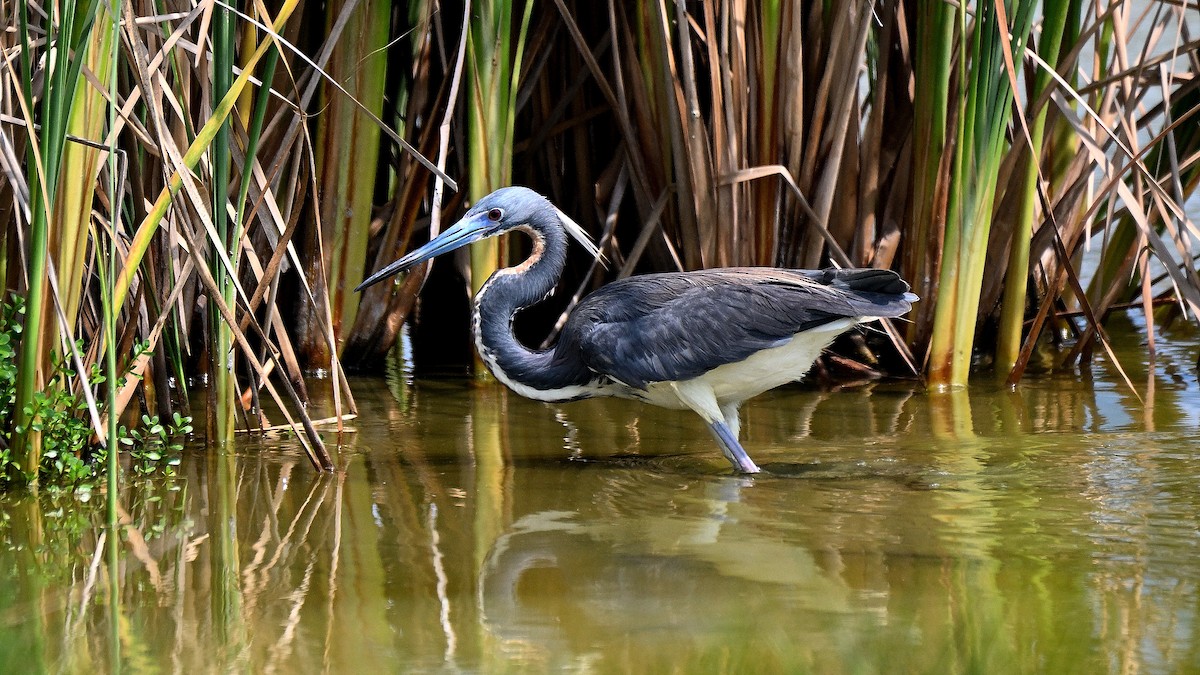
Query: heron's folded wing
x,y
670,327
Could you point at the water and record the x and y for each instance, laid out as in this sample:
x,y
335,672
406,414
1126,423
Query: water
x,y
1053,529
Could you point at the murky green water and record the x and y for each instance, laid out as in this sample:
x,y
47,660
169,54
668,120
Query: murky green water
x,y
1055,529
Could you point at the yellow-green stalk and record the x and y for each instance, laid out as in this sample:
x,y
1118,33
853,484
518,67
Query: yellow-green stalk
x,y
71,38
109,309
1012,312
984,109
74,197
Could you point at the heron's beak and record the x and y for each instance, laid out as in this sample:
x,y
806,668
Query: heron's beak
x,y
466,231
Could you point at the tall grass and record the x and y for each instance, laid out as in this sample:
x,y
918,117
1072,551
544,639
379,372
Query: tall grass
x,y
59,208
276,159
72,109
1012,313
984,115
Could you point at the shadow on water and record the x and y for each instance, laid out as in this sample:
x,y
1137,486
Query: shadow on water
x,y
1050,529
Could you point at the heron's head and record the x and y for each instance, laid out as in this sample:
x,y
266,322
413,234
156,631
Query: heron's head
x,y
502,211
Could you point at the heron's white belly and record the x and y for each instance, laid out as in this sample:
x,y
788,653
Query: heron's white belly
x,y
760,372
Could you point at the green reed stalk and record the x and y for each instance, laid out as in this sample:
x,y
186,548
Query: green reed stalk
x,y
109,310
494,72
224,386
72,217
68,237
70,37
253,136
108,273
984,109
1012,312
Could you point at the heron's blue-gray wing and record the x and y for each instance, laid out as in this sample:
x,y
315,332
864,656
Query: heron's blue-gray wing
x,y
670,327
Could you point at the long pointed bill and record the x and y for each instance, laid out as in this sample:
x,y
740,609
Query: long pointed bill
x,y
466,231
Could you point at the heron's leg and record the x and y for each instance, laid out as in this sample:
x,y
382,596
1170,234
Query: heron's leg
x,y
730,412
700,398
732,449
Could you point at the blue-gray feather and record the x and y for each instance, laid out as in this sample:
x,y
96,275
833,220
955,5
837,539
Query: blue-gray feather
x,y
676,326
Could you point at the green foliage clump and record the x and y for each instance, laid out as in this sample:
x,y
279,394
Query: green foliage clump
x,y
154,444
60,415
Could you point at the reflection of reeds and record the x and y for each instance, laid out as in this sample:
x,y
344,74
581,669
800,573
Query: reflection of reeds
x,y
939,516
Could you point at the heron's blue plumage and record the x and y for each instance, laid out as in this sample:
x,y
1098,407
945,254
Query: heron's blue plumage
x,y
676,326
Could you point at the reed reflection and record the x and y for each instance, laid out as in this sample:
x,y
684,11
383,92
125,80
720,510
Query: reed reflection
x,y
471,529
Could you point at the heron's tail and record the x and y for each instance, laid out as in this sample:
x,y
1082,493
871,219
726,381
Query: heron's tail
x,y
880,290
863,280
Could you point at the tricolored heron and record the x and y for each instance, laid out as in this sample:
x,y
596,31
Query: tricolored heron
x,y
705,340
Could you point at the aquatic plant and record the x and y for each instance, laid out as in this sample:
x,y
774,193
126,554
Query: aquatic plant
x,y
71,452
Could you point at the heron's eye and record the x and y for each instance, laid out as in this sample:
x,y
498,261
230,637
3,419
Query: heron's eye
x,y
495,215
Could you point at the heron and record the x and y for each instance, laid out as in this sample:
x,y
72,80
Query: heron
x,y
704,340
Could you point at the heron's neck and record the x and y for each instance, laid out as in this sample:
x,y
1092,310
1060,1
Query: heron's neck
x,y
537,374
